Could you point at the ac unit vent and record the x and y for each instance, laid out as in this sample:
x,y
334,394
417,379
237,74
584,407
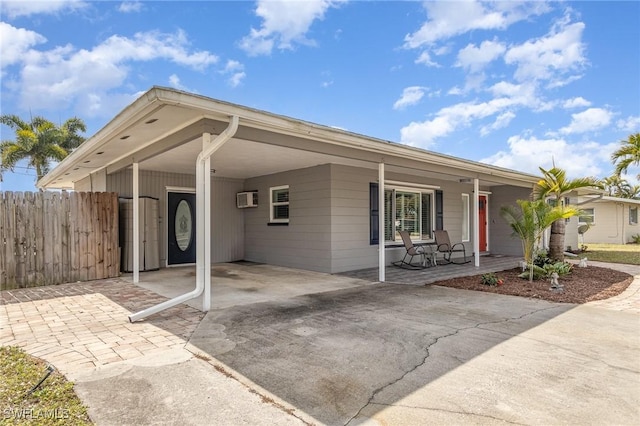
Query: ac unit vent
x,y
247,199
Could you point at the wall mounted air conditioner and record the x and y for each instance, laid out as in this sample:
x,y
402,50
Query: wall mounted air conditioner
x,y
247,199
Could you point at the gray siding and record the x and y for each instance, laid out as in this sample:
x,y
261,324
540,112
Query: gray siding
x,y
500,239
350,248
227,243
305,242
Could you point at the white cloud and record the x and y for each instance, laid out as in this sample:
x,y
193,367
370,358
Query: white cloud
x,y
425,58
130,6
450,18
283,24
15,9
15,42
474,59
552,57
578,102
174,81
235,71
410,96
66,75
501,122
578,159
630,124
587,121
424,134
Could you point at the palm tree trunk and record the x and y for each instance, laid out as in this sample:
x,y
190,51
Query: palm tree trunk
x,y
556,241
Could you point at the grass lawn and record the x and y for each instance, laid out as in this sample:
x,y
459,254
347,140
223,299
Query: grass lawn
x,y
53,403
614,253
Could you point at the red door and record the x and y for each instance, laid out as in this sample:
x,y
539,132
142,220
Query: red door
x,y
482,221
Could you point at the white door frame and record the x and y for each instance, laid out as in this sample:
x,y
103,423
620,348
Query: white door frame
x,y
168,189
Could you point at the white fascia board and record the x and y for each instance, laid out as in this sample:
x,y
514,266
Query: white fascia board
x,y
277,123
95,142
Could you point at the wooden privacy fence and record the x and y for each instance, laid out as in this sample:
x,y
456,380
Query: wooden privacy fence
x,y
52,238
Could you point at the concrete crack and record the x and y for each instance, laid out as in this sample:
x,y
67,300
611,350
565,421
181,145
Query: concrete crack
x,y
381,388
427,354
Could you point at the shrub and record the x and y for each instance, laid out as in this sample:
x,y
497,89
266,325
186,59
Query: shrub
x,y
636,239
544,272
491,279
542,259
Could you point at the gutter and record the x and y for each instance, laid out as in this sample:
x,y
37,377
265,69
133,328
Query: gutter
x,y
203,226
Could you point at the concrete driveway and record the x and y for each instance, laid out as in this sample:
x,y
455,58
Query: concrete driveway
x,y
390,354
334,350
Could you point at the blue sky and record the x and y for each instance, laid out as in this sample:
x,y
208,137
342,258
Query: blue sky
x,y
514,84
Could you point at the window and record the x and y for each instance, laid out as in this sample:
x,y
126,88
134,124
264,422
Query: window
x,y
407,210
279,204
465,217
633,215
587,216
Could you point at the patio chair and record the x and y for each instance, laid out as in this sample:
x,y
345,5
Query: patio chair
x,y
445,247
411,252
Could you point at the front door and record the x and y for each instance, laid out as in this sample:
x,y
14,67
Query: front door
x,y
482,221
181,228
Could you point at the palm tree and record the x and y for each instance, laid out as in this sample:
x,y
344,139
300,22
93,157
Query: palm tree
x,y
39,141
616,186
555,184
627,155
531,220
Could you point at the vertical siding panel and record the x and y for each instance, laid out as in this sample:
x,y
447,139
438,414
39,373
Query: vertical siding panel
x,y
11,247
228,221
3,242
20,241
63,259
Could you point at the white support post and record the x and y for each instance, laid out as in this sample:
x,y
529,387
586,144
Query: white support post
x,y
206,297
381,220
136,225
476,221
203,224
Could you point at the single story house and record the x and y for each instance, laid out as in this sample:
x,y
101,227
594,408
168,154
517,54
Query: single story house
x,y
612,220
236,183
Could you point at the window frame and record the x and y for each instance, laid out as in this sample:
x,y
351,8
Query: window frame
x,y
592,215
273,204
636,215
466,215
393,220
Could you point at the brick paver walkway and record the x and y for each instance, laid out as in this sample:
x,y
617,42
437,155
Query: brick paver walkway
x,y
84,325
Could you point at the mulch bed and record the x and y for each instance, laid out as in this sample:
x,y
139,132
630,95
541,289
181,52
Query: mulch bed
x,y
581,286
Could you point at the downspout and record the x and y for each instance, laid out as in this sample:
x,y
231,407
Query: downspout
x,y
203,213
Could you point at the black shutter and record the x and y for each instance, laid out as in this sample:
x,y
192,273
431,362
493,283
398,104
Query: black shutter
x,y
374,231
439,211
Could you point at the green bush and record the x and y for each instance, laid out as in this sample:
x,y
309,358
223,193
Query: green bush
x,y
544,272
542,259
636,239
491,279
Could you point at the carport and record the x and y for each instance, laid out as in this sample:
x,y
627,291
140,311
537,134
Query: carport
x,y
217,148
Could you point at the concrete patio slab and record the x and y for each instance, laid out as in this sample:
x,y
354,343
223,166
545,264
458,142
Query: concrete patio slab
x,y
244,283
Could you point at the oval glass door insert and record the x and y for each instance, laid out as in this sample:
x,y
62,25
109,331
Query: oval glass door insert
x,y
183,225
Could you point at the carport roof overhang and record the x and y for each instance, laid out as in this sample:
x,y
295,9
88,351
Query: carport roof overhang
x,y
162,130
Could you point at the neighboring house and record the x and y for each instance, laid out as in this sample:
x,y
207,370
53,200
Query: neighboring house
x,y
613,220
318,205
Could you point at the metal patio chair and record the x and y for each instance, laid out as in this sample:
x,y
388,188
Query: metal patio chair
x,y
445,247
411,252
